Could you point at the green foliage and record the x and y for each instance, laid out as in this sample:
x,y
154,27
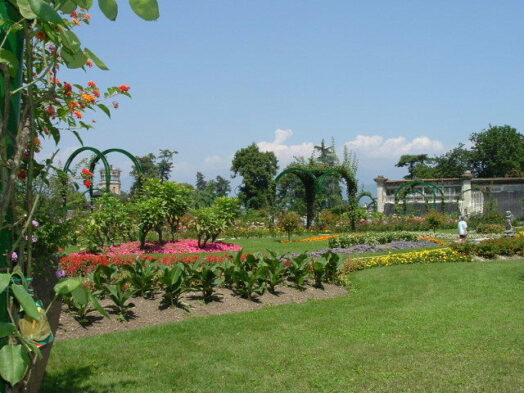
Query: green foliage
x,y
248,281
497,151
298,269
490,217
176,198
290,222
258,170
493,247
120,293
435,219
81,301
209,222
150,214
175,282
206,277
109,223
142,277
490,228
371,238
273,270
412,161
326,269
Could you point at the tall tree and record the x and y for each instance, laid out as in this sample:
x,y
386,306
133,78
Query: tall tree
x,y
411,161
165,163
258,170
497,151
453,163
200,182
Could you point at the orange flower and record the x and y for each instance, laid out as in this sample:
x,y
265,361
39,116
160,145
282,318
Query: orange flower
x,y
89,97
51,111
73,104
91,84
76,22
96,93
88,183
78,114
89,63
124,88
87,16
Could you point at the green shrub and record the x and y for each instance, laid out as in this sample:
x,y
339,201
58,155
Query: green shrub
x,y
507,246
142,277
206,277
490,228
289,222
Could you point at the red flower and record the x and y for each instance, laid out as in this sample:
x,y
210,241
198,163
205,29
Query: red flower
x,y
89,63
96,93
40,35
68,86
74,14
124,88
51,111
88,183
91,83
22,174
87,172
78,114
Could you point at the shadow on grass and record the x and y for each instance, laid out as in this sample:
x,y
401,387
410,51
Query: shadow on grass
x,y
73,380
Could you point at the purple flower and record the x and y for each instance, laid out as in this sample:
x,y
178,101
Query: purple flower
x,y
34,239
60,273
14,256
35,223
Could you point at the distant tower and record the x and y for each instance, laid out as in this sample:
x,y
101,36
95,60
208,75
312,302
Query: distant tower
x,y
115,185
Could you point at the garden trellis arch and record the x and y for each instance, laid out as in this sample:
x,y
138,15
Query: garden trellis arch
x,y
313,180
410,188
364,194
101,156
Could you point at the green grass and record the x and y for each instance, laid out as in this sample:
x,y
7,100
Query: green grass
x,y
414,328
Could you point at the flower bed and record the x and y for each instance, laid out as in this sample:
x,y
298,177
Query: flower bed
x,y
75,264
428,256
371,238
318,238
183,246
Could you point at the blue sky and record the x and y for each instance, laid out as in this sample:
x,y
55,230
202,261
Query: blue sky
x,y
387,78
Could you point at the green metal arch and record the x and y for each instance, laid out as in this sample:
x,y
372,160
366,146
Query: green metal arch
x,y
97,158
98,154
409,187
364,194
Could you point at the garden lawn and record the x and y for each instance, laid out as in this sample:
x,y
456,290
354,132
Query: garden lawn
x,y
417,328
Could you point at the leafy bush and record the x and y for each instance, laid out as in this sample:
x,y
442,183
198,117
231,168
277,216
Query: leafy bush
x,y
327,219
109,223
508,246
370,238
81,302
142,277
174,281
248,281
273,271
490,228
289,222
150,214
209,222
176,197
491,217
298,270
206,277
120,293
435,220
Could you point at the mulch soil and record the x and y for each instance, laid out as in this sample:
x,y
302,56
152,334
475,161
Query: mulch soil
x,y
147,312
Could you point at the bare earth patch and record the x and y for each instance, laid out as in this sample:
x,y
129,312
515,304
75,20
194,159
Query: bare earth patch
x,y
148,313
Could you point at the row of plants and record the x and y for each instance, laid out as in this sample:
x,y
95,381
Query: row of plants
x,y
371,238
490,248
161,207
443,255
248,276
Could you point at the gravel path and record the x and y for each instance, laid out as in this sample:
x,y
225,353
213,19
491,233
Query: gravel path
x,y
363,248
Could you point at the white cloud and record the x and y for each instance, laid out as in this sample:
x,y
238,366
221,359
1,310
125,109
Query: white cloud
x,y
214,160
376,146
284,152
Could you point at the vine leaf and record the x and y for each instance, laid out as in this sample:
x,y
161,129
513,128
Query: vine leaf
x,y
13,363
25,9
6,329
5,279
99,63
26,301
146,9
43,10
109,8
